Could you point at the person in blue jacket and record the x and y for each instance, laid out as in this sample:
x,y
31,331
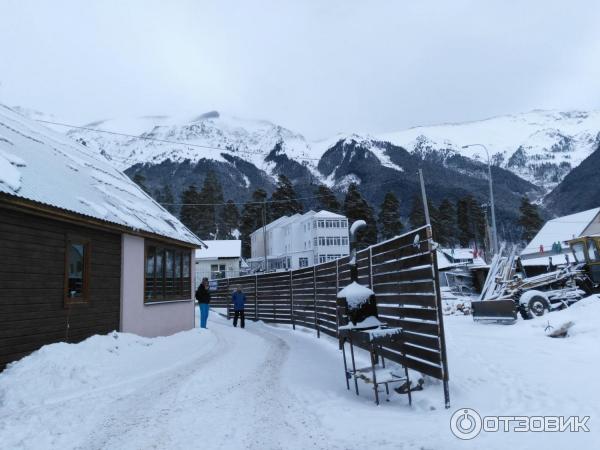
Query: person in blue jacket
x,y
238,298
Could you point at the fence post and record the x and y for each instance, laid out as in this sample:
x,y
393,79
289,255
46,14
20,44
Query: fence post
x,y
228,297
315,300
371,268
337,289
255,298
292,299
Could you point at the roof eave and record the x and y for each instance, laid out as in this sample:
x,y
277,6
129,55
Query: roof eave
x,y
53,212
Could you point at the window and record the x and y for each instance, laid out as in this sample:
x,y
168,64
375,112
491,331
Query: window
x,y
322,240
593,251
168,273
344,240
217,271
77,270
322,258
315,241
578,252
303,262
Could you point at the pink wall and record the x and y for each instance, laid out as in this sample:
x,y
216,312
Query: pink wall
x,y
159,319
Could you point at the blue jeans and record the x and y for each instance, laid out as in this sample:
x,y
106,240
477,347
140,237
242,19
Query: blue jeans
x,y
203,314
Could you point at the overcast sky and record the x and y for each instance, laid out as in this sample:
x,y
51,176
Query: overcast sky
x,y
318,67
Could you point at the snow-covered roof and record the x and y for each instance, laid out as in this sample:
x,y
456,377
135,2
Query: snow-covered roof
x,y
557,259
561,229
41,165
445,256
324,214
285,220
220,249
458,253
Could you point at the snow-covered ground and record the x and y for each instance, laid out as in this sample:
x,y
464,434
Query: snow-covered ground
x,y
268,387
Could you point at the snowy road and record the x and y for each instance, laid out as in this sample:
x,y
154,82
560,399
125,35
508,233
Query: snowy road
x,y
272,388
233,395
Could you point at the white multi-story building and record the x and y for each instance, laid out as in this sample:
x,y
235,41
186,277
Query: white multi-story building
x,y
301,240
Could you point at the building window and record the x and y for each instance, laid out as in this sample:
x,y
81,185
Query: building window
x,y
315,241
322,258
322,240
77,271
167,274
217,271
344,240
303,262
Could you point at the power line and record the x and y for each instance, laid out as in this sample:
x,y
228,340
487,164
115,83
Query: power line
x,y
166,141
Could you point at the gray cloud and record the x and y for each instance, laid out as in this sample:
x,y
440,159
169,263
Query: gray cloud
x,y
318,67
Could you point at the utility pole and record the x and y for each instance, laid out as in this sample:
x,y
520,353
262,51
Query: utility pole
x,y
264,221
424,194
494,229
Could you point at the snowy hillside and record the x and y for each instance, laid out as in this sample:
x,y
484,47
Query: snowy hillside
x,y
540,146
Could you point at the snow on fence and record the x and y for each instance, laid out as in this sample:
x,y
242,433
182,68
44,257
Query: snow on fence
x,y
403,274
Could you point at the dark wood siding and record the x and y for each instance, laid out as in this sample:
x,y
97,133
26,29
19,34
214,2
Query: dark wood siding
x,y
32,270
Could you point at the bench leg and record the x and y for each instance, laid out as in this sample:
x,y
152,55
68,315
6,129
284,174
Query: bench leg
x,y
353,367
345,365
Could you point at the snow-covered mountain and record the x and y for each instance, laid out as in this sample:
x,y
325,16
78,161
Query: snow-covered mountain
x,y
532,153
539,146
210,136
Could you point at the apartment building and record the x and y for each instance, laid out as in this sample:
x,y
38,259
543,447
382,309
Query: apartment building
x,y
301,240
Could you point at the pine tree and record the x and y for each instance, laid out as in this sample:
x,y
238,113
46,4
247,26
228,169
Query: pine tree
x,y
448,230
357,208
327,199
140,180
210,196
389,217
417,216
230,219
251,219
529,220
470,220
191,213
284,199
166,198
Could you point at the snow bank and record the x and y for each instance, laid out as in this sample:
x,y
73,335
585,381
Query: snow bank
x,y
59,371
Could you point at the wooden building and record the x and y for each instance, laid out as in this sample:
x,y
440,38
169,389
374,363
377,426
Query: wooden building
x,y
83,250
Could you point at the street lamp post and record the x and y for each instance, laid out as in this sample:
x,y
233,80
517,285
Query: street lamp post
x,y
494,229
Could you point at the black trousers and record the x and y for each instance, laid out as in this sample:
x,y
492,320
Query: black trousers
x,y
237,314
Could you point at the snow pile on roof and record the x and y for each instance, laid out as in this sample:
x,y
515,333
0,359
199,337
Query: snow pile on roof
x,y
39,164
561,229
355,294
231,248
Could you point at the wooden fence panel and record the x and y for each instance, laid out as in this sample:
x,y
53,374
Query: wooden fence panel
x,y
401,271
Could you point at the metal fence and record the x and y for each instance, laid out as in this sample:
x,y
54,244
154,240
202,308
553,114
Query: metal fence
x,y
403,274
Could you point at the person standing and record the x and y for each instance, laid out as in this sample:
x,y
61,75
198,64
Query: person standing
x,y
203,297
239,302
